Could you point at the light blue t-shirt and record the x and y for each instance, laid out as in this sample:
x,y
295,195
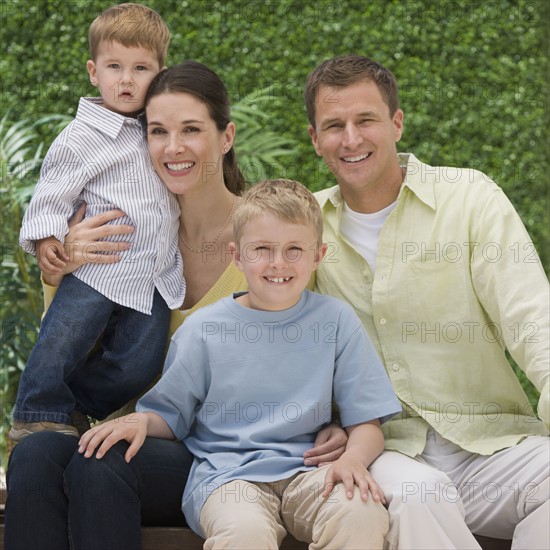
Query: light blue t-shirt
x,y
248,390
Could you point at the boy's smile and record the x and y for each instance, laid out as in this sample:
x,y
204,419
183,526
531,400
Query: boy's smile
x,y
277,258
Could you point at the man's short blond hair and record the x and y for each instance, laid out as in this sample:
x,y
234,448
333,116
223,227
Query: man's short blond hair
x,y
288,200
132,25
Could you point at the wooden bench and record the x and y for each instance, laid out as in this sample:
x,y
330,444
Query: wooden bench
x,y
181,538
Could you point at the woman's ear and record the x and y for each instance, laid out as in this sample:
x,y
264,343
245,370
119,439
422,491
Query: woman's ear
x,y
228,137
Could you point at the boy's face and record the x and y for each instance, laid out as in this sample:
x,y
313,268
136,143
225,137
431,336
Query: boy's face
x,y
277,258
123,76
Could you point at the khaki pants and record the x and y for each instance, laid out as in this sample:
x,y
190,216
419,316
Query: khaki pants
x,y
256,516
438,499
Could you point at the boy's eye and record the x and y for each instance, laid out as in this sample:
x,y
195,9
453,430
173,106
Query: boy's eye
x,y
113,66
141,68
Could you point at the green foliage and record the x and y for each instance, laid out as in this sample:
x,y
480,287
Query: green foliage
x,y
19,307
473,79
473,75
261,151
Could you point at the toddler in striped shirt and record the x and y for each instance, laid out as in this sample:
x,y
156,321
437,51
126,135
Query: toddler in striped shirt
x,y
102,340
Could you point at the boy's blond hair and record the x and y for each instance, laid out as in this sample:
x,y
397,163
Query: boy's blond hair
x,y
132,25
286,199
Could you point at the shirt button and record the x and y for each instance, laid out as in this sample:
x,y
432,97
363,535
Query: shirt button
x,y
395,367
383,321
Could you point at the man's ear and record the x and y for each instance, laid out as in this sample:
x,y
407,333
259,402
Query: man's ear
x,y
313,136
92,71
398,124
236,255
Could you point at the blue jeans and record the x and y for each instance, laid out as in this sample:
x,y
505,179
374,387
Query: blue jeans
x,y
57,499
67,371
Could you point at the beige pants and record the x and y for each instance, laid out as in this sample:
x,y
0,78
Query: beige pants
x,y
437,500
256,516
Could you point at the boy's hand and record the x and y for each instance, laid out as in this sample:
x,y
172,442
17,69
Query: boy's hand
x,y
131,428
329,445
51,256
351,471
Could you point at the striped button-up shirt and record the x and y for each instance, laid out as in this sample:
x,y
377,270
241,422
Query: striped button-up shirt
x,y
101,158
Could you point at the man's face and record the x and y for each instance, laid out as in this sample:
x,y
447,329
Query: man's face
x,y
356,136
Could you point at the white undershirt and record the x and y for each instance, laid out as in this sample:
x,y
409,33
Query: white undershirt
x,y
362,231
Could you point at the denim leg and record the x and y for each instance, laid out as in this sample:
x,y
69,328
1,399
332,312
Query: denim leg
x,y
36,507
129,358
109,499
75,320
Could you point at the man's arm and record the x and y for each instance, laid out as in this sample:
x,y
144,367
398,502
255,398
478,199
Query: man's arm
x,y
329,445
513,289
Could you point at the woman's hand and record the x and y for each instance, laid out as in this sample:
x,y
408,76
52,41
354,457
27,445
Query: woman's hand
x,y
329,446
84,244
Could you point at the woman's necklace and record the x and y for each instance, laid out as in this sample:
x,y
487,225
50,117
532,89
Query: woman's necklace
x,y
202,250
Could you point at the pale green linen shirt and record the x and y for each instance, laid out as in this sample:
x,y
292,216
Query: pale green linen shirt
x,y
457,282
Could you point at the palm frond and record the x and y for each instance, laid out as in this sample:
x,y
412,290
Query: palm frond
x,y
259,149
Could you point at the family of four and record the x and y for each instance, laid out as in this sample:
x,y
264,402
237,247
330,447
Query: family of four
x,y
379,411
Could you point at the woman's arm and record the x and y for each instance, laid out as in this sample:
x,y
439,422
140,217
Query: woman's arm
x,y
84,243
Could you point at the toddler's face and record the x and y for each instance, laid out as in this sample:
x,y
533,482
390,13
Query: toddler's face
x,y
123,76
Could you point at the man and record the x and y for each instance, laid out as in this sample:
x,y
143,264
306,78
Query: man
x,y
441,272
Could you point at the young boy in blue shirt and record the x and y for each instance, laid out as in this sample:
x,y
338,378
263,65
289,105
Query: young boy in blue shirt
x,y
101,158
250,380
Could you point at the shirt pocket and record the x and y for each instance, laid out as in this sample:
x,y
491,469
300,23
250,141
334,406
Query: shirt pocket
x,y
437,292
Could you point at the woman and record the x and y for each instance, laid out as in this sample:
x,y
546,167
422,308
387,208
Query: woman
x,y
54,494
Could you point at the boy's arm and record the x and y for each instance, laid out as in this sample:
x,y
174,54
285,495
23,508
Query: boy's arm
x,y
132,428
62,178
365,444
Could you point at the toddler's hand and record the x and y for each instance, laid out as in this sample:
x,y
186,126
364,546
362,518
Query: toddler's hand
x,y
51,256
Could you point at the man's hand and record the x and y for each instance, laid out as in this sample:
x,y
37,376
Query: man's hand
x,y
351,471
329,445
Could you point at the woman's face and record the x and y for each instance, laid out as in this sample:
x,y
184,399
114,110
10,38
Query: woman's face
x,y
185,145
